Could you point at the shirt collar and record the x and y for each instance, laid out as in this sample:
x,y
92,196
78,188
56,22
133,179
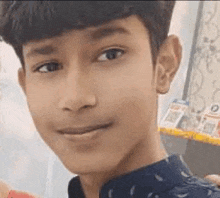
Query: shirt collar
x,y
158,177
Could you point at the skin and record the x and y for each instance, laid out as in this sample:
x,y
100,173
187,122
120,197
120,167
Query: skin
x,y
4,189
87,88
214,178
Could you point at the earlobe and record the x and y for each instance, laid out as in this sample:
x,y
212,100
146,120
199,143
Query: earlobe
x,y
21,79
168,61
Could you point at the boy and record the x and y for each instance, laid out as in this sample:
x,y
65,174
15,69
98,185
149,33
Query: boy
x,y
92,72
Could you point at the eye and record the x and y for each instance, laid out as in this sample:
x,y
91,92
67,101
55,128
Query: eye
x,y
48,67
111,54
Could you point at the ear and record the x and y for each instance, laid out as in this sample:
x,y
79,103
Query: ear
x,y
167,64
21,79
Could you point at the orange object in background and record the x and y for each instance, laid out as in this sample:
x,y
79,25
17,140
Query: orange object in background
x,y
17,194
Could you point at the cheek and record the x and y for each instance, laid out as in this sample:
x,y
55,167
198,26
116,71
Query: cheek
x,y
40,97
130,94
41,107
137,111
134,104
40,103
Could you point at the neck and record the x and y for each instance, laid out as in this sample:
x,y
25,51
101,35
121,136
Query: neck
x,y
145,153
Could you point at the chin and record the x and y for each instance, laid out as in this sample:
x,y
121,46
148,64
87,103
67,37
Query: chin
x,y
82,167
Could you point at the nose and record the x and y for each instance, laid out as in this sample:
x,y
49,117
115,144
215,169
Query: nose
x,y
77,93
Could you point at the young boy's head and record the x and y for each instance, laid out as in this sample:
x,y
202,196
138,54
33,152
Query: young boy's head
x,y
92,72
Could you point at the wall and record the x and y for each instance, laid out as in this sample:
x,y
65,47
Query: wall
x,y
203,85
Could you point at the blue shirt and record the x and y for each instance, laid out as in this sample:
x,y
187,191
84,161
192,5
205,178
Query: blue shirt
x,y
169,178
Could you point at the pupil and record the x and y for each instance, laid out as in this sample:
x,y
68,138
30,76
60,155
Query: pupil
x,y
111,54
51,67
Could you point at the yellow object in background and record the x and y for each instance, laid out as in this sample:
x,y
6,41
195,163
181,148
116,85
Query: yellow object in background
x,y
191,135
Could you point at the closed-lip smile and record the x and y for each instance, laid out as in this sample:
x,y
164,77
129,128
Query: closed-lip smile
x,y
83,130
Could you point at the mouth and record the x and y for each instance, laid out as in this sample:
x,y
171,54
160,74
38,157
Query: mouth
x,y
84,130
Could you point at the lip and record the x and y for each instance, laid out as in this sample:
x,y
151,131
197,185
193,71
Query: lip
x,y
84,130
85,134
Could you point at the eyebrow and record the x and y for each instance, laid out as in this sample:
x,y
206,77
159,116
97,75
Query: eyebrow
x,y
108,31
45,50
96,35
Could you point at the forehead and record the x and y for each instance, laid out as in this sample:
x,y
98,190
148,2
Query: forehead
x,y
125,28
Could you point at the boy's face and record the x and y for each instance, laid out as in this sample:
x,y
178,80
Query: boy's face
x,y
98,81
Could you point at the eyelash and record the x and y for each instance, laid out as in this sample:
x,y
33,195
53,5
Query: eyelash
x,y
111,50
48,64
110,58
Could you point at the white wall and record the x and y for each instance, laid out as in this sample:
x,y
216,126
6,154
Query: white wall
x,y
25,161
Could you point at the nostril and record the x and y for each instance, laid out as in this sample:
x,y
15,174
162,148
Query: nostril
x,y
86,106
75,103
83,107
66,109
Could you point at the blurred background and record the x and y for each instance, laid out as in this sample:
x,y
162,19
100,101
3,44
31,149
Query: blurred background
x,y
26,163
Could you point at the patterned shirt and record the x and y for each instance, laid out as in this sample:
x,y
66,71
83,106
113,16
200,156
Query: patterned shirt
x,y
169,178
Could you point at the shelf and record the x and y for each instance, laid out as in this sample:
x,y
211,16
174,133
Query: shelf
x,y
190,135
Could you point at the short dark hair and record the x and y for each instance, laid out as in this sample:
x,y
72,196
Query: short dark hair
x,y
24,21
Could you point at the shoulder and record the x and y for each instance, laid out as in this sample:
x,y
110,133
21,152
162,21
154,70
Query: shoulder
x,y
193,187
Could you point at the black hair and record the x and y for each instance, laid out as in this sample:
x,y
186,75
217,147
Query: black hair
x,y
24,21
